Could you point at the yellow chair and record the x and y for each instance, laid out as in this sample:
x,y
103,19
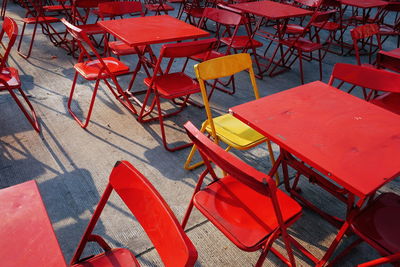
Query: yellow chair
x,y
227,128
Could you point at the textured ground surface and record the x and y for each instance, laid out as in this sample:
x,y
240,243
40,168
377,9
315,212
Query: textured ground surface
x,y
71,165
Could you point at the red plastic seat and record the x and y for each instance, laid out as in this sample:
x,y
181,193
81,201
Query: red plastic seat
x,y
377,225
153,214
366,33
96,68
9,77
384,85
172,85
244,204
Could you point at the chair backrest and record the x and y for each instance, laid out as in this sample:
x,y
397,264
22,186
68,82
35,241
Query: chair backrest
x,y
220,16
308,3
223,67
121,8
367,31
151,211
366,77
10,29
181,50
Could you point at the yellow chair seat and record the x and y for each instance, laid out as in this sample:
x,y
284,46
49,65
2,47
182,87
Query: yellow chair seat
x,y
235,133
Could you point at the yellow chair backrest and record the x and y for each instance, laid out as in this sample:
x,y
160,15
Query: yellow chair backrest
x,y
223,67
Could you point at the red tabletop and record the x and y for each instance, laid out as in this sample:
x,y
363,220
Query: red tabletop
x,y
364,3
26,235
351,141
151,30
272,10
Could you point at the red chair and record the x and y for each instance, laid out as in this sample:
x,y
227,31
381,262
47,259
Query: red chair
x,y
157,6
384,85
389,60
172,85
365,34
35,15
377,225
390,29
153,214
9,77
245,204
96,69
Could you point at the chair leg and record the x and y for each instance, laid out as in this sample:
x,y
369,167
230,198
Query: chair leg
x,y
31,43
81,123
31,118
272,158
301,66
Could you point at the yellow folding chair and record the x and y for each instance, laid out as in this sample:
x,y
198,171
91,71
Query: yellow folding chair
x,y
227,128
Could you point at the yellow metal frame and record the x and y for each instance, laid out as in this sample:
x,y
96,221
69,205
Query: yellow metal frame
x,y
217,68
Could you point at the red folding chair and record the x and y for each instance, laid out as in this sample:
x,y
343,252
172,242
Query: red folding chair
x,y
245,204
377,225
153,214
389,28
174,86
389,60
96,69
35,15
157,6
9,77
384,86
366,34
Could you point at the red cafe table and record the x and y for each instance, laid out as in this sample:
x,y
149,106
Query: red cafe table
x,y
274,11
26,235
148,31
348,146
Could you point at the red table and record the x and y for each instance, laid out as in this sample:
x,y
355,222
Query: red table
x,y
278,12
150,30
348,140
26,235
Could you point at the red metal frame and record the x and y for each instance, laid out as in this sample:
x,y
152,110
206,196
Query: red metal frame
x,y
172,85
243,201
9,77
384,86
97,69
153,214
365,34
35,14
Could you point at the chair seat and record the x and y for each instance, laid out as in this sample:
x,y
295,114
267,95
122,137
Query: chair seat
x,y
56,8
329,26
241,42
207,55
244,214
379,222
91,29
11,77
120,48
235,133
174,85
389,101
158,7
32,20
115,257
293,29
90,69
302,43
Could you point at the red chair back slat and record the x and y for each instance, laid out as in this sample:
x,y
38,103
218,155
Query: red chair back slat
x,y
221,16
366,77
154,214
364,31
9,28
186,49
309,3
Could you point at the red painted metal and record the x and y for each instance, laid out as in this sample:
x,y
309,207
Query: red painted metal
x,y
351,142
153,214
172,85
364,3
98,69
9,77
366,33
26,235
384,85
151,30
272,10
339,143
389,59
245,204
